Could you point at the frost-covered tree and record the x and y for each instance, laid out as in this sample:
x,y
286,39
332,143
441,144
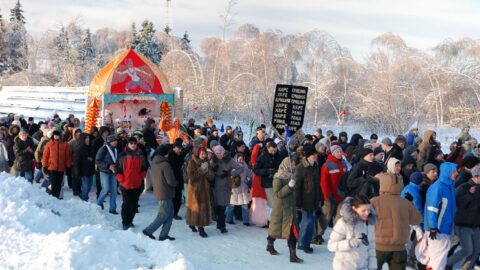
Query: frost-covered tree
x,y
17,45
149,44
86,51
3,47
134,38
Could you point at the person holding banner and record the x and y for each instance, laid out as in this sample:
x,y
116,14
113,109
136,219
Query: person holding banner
x,y
283,223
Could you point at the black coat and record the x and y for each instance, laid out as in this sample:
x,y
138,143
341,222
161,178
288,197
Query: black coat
x,y
150,139
308,194
226,141
103,159
360,182
85,166
266,166
468,206
176,161
463,177
32,128
23,158
395,152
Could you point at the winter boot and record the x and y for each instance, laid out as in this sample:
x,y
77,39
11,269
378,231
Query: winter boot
x,y
202,232
271,248
193,228
293,255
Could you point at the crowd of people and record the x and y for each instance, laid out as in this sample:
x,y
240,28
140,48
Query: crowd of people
x,y
378,196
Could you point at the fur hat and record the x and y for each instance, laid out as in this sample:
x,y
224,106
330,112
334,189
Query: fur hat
x,y
309,150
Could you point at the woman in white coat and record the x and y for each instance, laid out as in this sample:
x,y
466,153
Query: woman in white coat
x,y
353,237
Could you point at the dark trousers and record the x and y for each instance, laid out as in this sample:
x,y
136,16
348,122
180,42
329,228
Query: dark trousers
x,y
396,260
76,181
220,211
177,200
98,182
70,177
129,205
56,179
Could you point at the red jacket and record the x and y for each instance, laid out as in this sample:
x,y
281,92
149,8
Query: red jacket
x,y
131,168
330,175
57,156
257,190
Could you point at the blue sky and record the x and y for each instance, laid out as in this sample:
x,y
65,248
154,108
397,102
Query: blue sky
x,y
353,23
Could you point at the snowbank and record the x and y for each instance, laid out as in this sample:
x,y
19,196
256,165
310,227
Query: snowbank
x,y
42,232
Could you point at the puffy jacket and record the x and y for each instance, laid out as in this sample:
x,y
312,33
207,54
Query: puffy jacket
x,y
57,156
416,192
266,166
103,159
348,227
330,176
39,151
307,187
130,168
395,215
468,211
85,166
426,150
23,158
440,204
411,138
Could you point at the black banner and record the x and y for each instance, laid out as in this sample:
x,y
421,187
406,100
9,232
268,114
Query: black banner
x,y
289,107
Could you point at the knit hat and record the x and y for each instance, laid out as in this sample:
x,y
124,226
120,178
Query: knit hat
x,y
138,133
469,162
366,151
319,145
218,149
418,140
428,167
335,148
132,140
342,134
309,150
416,178
49,134
213,143
374,168
111,138
56,132
178,144
377,151
476,171
387,141
374,137
367,144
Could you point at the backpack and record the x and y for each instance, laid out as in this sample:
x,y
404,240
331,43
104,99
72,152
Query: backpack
x,y
342,188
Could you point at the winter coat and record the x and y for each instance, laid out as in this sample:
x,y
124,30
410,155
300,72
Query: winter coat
x,y
426,150
416,192
23,158
411,138
222,187
163,178
3,156
360,183
266,166
463,177
199,211
348,227
149,135
226,141
468,210
240,195
57,156
440,204
395,215
131,168
85,165
103,159
9,142
395,152
176,161
308,194
32,128
330,175
257,190
284,210
39,151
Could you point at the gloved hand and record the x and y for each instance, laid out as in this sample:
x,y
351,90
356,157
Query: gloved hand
x,y
433,233
409,197
364,239
291,183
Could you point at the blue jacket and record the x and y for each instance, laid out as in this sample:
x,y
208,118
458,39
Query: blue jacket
x,y
414,190
441,201
411,139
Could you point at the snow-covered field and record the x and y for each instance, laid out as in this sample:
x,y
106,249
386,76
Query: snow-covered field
x,y
41,232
